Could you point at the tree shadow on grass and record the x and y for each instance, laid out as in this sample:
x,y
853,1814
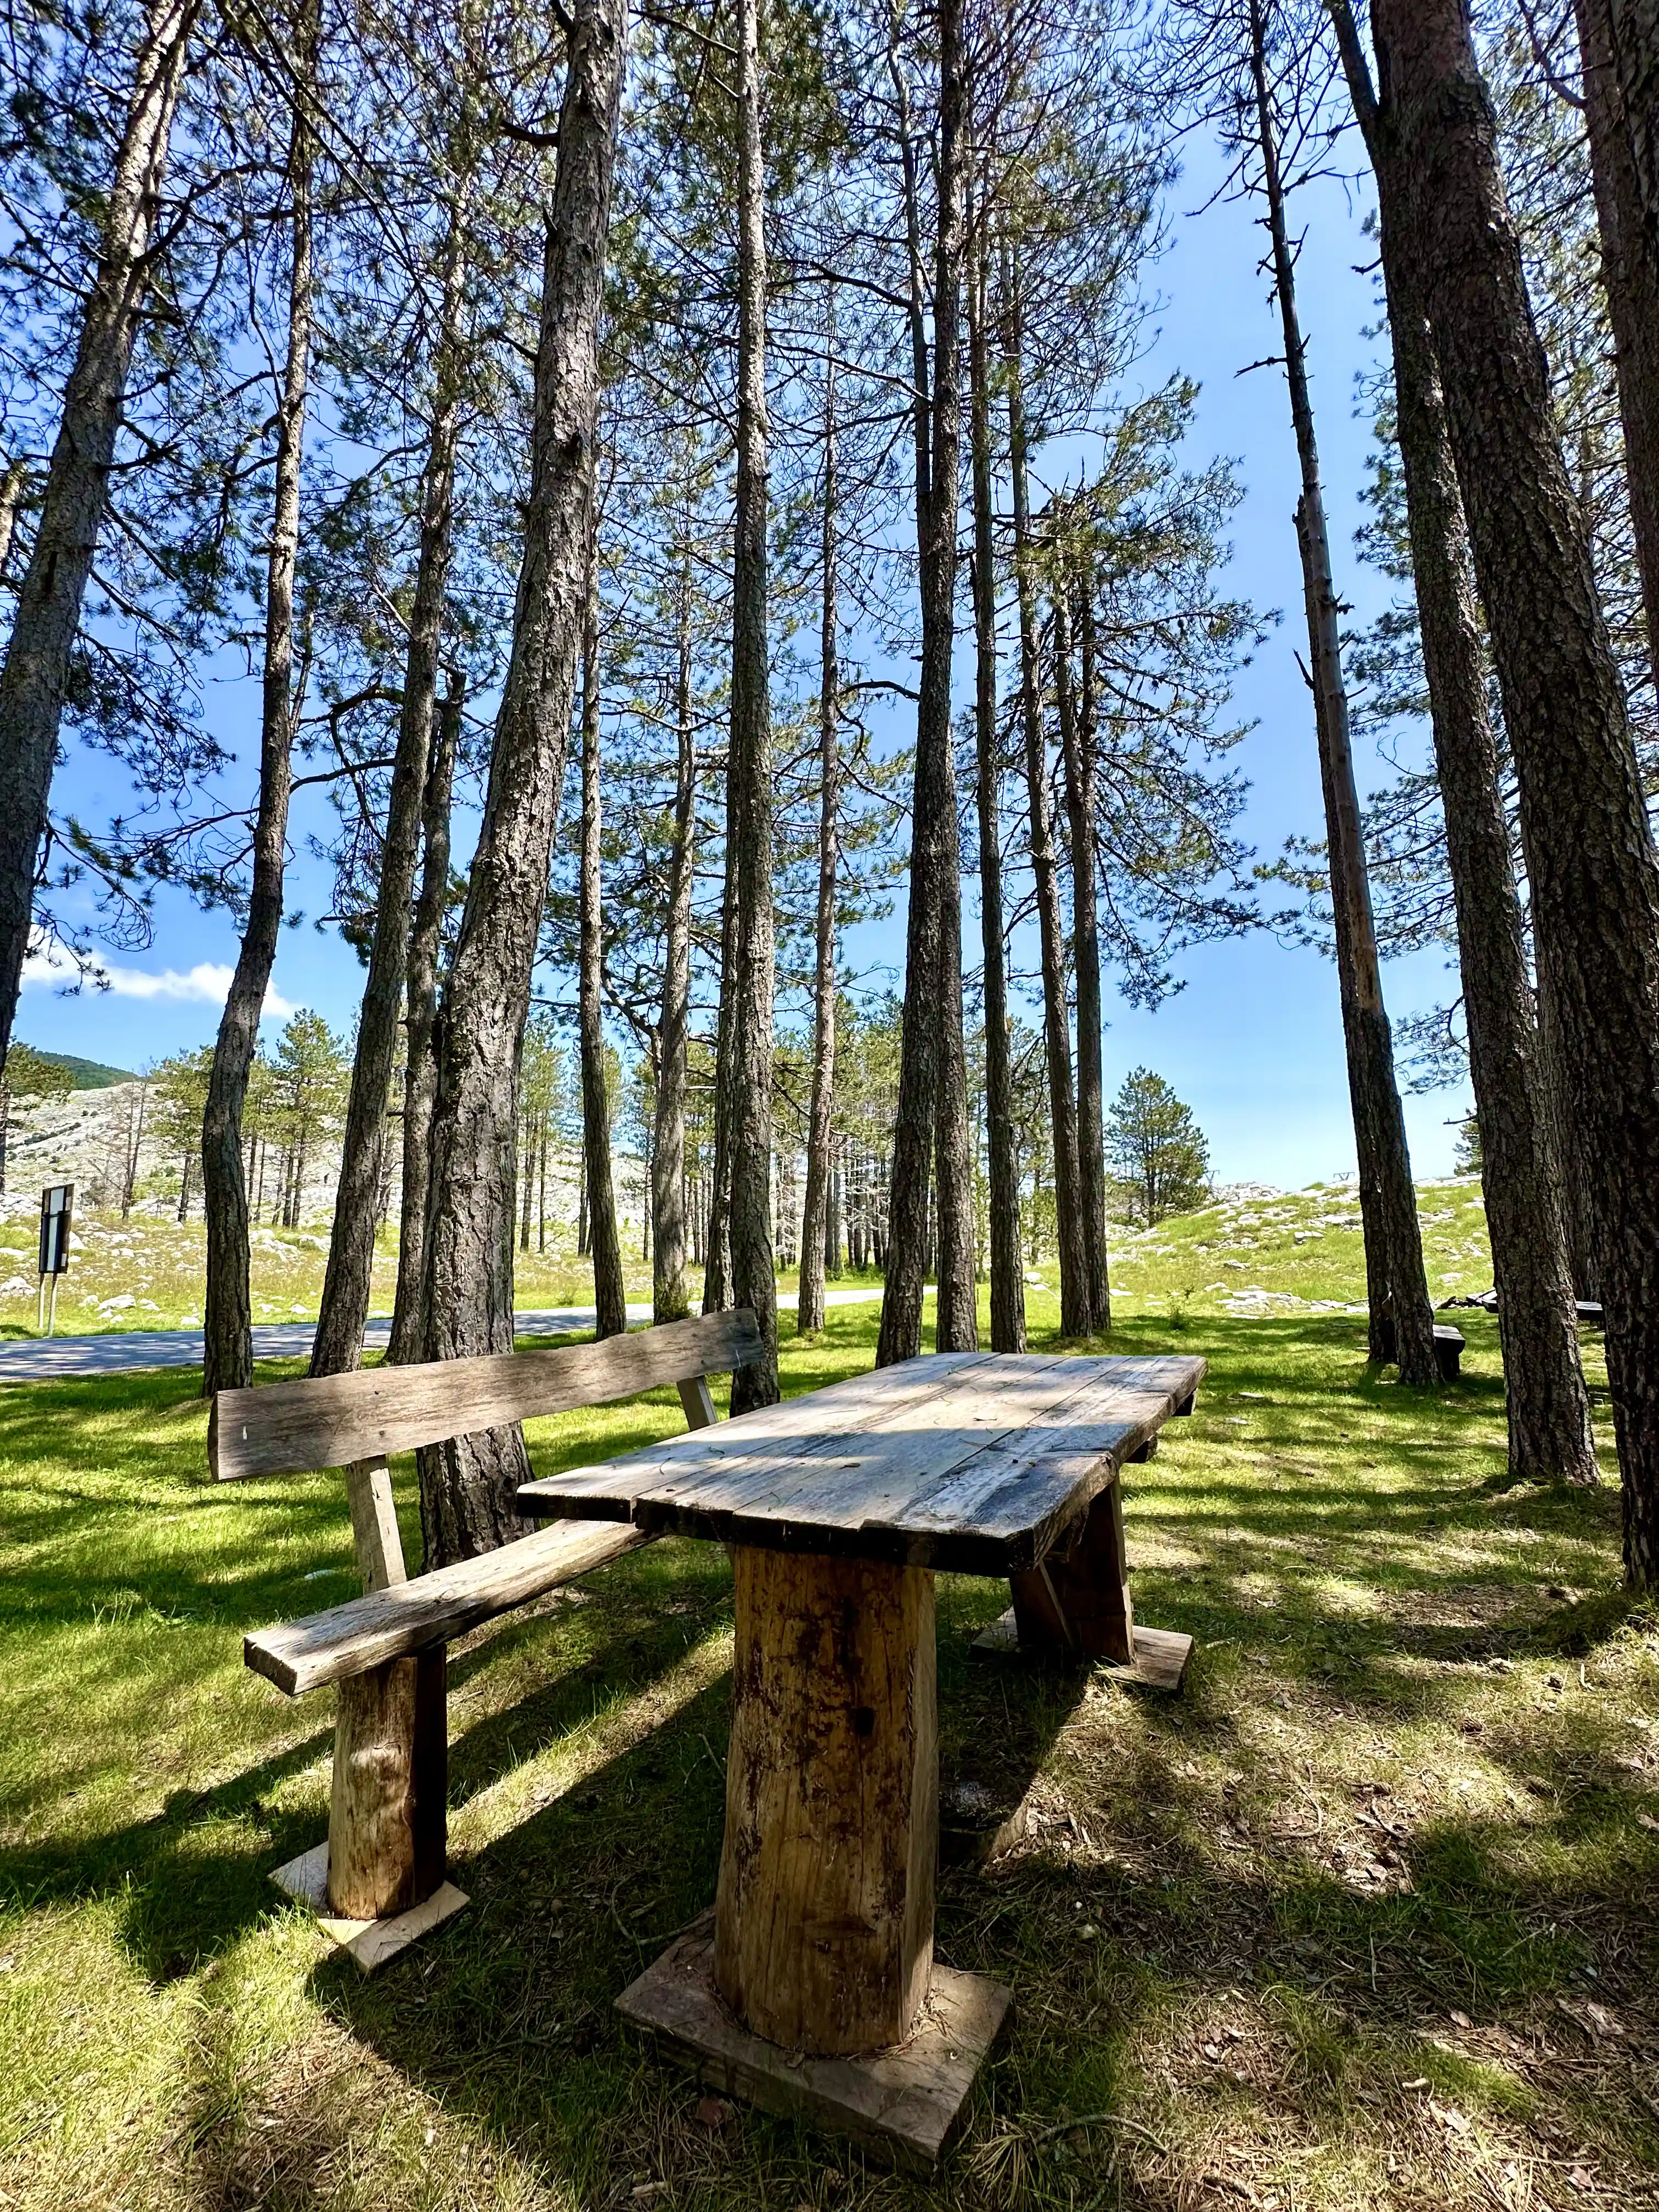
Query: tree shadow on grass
x,y
194,1878
1129,1938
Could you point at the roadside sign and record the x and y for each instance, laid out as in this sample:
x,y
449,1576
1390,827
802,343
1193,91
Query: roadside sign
x,y
57,1213
57,1209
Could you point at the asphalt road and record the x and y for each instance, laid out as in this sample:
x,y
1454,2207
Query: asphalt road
x,y
123,1352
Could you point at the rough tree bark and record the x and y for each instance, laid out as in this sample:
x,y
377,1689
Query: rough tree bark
x,y
1549,1424
227,1361
1007,1274
1076,752
339,1342
420,1055
1401,1323
931,1131
1589,854
14,482
815,1210
1618,51
609,1297
468,1486
670,1300
1076,1316
749,1112
717,1256
47,615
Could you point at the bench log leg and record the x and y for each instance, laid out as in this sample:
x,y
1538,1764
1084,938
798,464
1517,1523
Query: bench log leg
x,y
387,1819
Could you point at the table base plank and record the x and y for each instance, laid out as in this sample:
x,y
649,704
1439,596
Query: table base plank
x,y
905,2103
369,1943
1159,1662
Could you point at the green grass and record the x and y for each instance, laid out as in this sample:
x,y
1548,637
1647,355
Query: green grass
x,y
147,1273
1363,1919
1301,1252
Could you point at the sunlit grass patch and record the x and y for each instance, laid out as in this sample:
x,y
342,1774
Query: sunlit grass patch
x,y
1361,1919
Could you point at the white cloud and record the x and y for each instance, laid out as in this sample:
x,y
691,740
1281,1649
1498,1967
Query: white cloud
x,y
207,983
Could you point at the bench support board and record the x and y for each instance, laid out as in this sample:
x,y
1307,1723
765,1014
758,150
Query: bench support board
x,y
370,1943
904,2103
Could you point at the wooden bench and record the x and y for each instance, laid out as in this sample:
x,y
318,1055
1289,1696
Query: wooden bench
x,y
1448,1347
379,1878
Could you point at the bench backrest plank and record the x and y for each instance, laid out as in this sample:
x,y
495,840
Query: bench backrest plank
x,y
332,1420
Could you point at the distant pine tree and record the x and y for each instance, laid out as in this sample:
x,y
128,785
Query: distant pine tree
x,y
1161,1155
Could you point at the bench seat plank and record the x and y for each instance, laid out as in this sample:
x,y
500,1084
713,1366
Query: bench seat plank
x,y
331,1420
393,1624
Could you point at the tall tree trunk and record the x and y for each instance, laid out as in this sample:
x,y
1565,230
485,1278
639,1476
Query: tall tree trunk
x,y
1589,853
1549,1424
1077,762
911,1177
815,1213
14,482
670,1298
835,1218
956,1323
1577,1210
1401,1323
527,1179
1076,1314
421,1063
1618,50
749,1114
339,1342
717,1236
931,1133
47,616
228,1360
468,1486
609,1297
1007,1274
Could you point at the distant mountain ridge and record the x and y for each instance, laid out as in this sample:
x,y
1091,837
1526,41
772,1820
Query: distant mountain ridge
x,y
87,1074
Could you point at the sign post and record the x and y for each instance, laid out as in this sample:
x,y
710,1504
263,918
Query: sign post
x,y
56,1211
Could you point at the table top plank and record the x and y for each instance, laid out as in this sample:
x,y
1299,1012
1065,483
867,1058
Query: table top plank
x,y
1017,1495
970,1463
796,1425
852,1476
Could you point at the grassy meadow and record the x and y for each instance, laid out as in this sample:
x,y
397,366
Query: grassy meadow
x,y
1363,1919
1300,1251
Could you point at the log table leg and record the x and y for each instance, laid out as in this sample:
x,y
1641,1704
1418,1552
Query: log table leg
x,y
1076,1605
815,1990
824,1916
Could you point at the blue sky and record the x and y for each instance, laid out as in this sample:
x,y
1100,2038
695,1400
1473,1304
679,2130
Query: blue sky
x,y
1252,1042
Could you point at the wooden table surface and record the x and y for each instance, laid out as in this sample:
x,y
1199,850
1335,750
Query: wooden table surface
x,y
968,1463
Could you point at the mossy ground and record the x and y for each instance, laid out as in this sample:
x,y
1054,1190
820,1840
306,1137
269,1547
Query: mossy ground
x,y
1361,1919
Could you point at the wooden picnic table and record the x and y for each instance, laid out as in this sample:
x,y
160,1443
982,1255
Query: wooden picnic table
x,y
817,1986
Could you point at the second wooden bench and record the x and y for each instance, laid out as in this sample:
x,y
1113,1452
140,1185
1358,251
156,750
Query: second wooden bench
x,y
381,1871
